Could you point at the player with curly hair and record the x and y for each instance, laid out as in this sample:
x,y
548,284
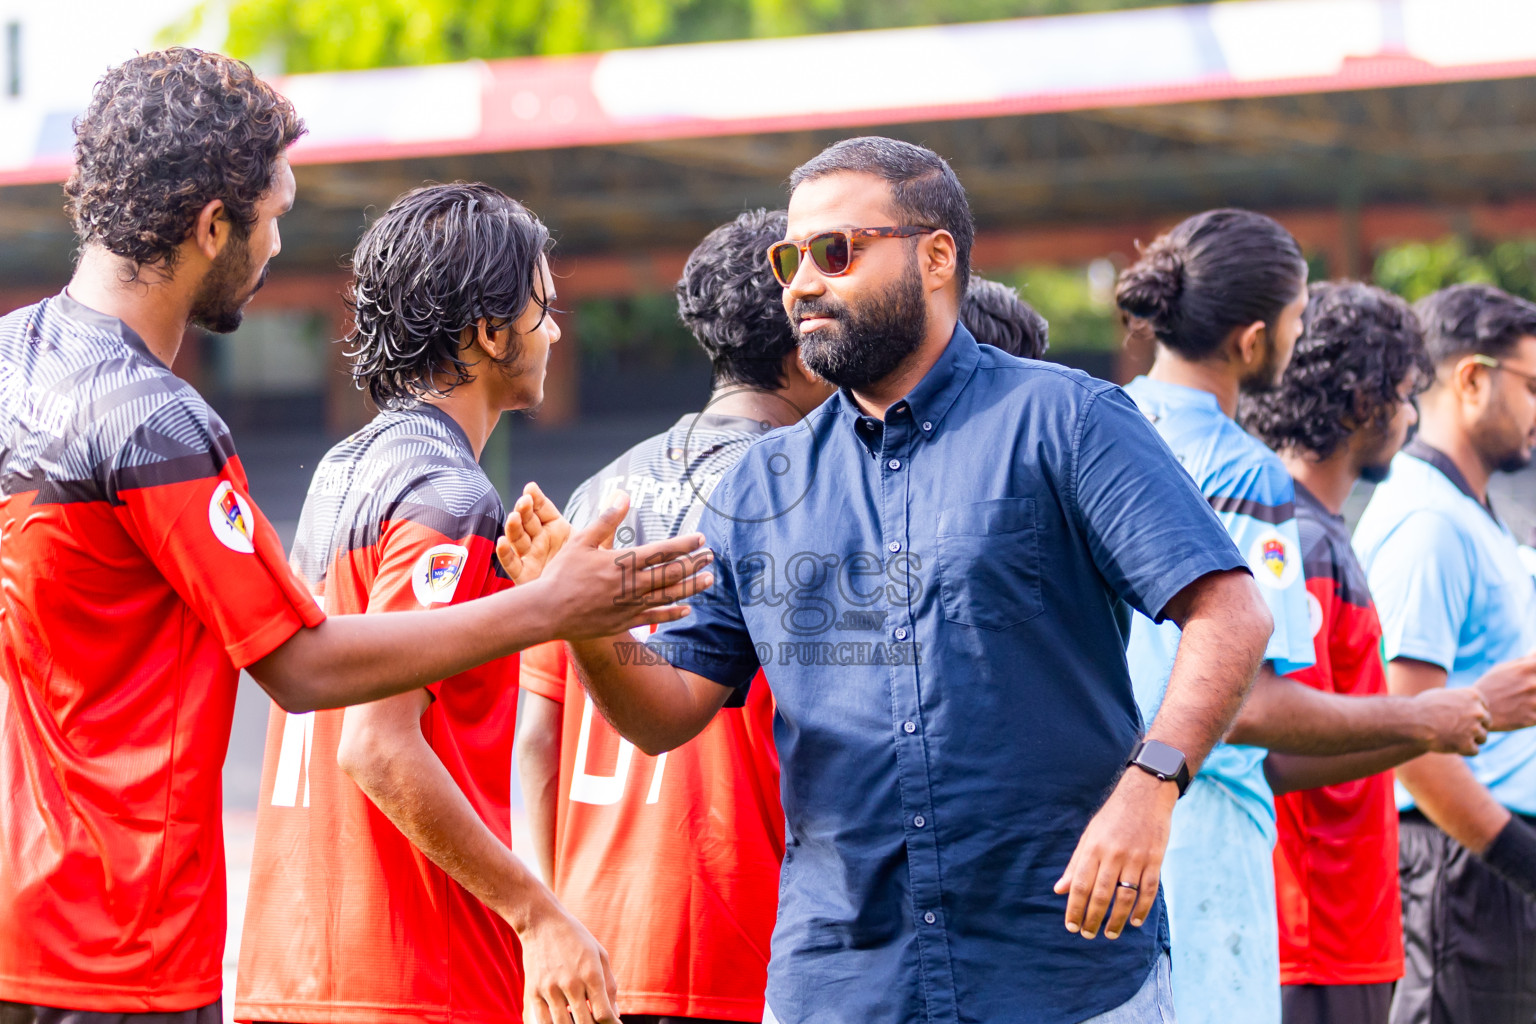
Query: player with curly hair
x,y
994,313
1342,411
139,576
705,818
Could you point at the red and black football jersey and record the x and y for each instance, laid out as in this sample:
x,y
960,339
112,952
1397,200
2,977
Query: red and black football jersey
x,y
346,921
1336,857
671,861
136,575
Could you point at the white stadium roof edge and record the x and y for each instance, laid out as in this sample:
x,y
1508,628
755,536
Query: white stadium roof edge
x,y
1031,65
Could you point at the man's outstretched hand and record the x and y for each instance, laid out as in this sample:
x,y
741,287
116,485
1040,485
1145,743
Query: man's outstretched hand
x,y
595,591
535,533
1124,842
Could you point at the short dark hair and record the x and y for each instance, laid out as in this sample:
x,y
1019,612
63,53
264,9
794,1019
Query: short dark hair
x,y
1358,344
925,190
439,260
1473,319
1215,271
729,299
995,315
167,133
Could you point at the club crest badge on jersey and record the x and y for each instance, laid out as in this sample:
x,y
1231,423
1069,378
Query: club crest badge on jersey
x,y
435,577
231,519
1273,561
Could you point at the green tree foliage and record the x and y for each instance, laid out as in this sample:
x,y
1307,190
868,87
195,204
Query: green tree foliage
x,y
326,35
1415,269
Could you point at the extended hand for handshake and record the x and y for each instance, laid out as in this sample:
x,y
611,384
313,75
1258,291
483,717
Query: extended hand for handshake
x,y
591,592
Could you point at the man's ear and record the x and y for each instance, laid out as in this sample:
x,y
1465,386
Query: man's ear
x,y
1469,379
211,230
1250,343
493,343
938,259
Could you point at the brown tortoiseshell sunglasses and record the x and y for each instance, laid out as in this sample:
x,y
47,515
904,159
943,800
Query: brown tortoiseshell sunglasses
x,y
831,251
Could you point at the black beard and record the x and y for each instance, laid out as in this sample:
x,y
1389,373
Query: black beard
x,y
219,305
864,344
1375,474
1514,462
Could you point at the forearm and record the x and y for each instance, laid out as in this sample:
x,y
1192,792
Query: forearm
x,y
1219,652
1444,788
641,695
1288,773
354,659
538,770
406,781
1289,717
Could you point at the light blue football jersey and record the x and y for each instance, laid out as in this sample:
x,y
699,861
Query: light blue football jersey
x,y
1254,496
1452,590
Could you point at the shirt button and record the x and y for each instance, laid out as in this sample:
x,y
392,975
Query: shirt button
x,y
894,546
901,633
929,917
893,464
927,425
919,821
910,727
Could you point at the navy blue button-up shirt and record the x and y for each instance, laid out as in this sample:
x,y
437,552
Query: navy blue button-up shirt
x,y
937,601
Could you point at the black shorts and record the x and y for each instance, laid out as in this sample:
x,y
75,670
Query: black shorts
x,y
1469,936
23,1013
650,1018
1335,1004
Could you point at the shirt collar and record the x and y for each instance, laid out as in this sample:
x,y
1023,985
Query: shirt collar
x,y
428,409
1177,395
930,400
71,307
1425,452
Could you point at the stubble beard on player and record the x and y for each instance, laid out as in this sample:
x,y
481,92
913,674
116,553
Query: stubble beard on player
x,y
219,305
864,343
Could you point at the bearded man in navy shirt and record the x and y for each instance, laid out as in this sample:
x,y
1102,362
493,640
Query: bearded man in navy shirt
x,y
935,571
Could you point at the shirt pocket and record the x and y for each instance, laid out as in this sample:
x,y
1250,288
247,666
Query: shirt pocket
x,y
989,563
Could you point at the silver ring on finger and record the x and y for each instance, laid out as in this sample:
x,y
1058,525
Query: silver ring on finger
x,y
1128,885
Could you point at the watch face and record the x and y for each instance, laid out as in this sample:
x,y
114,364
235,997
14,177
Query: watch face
x,y
1161,758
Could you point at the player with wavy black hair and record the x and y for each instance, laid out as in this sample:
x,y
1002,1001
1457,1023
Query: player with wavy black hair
x,y
1358,348
729,299
994,313
442,260
173,138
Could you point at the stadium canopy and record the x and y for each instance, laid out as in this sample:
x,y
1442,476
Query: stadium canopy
x,y
1358,122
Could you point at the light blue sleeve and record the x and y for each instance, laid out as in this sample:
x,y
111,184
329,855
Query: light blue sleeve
x,y
1421,580
1267,536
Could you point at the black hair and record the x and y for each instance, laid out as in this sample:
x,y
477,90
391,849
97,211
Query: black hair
x,y
1357,346
995,315
729,299
165,134
439,260
1473,319
924,189
1215,271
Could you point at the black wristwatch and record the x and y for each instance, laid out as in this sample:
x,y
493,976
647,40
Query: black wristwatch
x,y
1157,758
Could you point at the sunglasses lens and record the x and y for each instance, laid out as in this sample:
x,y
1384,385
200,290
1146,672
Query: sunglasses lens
x,y
830,251
785,258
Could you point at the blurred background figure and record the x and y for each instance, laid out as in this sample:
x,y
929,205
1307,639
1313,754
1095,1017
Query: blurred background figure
x,y
995,314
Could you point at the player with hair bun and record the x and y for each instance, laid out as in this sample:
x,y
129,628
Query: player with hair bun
x,y
1224,293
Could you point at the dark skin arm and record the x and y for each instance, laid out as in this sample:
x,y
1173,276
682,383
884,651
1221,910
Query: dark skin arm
x,y
655,706
585,591
1442,785
1225,629
1288,773
538,769
1290,717
383,750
